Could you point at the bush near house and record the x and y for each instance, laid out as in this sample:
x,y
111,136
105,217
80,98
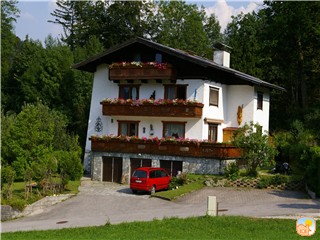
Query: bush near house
x,y
255,147
37,149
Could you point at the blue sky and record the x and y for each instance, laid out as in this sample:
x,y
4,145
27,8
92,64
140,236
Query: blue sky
x,y
34,15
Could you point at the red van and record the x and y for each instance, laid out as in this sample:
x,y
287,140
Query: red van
x,y
149,179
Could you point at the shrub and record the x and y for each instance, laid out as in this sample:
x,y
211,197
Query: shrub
x,y
266,181
178,181
232,171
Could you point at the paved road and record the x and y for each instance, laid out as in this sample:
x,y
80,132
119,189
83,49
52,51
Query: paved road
x,y
101,203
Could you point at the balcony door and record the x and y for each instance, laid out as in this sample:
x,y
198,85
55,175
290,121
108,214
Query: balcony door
x,y
128,128
175,92
129,92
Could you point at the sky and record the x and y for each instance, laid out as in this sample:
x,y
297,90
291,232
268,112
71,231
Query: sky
x,y
34,15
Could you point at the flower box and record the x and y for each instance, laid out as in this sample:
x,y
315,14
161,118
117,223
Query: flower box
x,y
144,72
175,147
170,110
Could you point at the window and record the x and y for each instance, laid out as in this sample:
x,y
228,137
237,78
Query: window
x,y
175,92
173,129
127,128
129,92
214,97
260,100
213,133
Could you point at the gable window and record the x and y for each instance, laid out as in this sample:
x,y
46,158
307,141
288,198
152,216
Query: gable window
x,y
175,92
260,100
214,97
173,129
128,128
213,132
129,92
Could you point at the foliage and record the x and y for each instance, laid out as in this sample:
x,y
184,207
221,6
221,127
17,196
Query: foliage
x,y
139,102
243,34
37,145
232,171
19,202
138,64
204,227
255,147
312,160
274,180
180,180
7,179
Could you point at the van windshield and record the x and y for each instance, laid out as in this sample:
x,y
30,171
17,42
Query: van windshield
x,y
139,174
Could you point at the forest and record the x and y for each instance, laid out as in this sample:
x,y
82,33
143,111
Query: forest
x,y
45,103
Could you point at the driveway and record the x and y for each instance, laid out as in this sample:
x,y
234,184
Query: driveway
x,y
101,203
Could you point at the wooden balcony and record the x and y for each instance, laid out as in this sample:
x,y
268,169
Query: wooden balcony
x,y
145,72
166,110
178,148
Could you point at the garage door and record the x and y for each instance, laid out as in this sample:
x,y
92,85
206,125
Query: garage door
x,y
112,169
172,167
137,162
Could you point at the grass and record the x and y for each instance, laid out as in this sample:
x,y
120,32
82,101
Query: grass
x,y
222,227
195,182
18,201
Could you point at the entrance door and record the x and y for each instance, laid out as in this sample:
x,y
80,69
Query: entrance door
x,y
112,169
137,162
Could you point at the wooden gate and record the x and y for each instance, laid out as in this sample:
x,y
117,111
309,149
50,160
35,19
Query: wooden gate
x,y
112,169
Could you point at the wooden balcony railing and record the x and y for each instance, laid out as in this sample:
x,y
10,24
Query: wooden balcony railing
x,y
146,72
167,110
178,148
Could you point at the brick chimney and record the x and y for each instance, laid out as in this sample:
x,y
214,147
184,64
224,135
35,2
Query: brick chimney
x,y
221,54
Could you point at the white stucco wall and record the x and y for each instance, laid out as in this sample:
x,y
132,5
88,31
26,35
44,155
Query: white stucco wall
x,y
262,116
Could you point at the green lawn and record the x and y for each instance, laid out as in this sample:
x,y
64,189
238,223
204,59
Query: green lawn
x,y
195,182
221,227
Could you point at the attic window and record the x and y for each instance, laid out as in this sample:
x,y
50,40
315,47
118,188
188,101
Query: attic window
x,y
214,97
158,58
260,100
137,57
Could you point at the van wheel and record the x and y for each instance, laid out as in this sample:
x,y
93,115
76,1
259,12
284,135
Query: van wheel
x,y
153,190
134,191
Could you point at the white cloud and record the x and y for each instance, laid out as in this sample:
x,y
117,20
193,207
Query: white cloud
x,y
223,11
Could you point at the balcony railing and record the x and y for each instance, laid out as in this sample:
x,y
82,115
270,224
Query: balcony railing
x,y
142,71
159,108
174,147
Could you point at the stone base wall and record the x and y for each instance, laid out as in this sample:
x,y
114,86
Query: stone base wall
x,y
190,164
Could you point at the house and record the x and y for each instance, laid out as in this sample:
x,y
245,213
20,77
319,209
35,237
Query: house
x,y
303,230
154,105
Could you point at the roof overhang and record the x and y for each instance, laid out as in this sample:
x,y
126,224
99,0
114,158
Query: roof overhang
x,y
205,67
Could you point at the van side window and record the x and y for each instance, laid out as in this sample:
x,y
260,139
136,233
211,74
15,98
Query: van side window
x,y
163,174
152,174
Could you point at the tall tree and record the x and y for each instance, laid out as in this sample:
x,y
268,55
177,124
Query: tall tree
x,y
243,34
292,33
9,42
180,25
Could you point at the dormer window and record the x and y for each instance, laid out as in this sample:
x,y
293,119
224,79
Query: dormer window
x,y
129,92
175,92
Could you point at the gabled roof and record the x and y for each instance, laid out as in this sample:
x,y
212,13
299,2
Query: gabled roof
x,y
208,68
